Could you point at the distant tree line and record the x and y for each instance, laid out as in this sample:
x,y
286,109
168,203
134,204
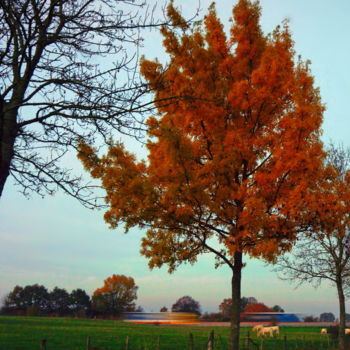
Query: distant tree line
x,y
247,304
117,295
325,317
35,300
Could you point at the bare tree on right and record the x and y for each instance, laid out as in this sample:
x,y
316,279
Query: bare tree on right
x,y
322,254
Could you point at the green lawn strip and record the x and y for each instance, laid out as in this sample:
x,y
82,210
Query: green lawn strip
x,y
25,333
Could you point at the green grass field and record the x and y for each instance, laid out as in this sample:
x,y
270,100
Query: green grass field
x,y
25,333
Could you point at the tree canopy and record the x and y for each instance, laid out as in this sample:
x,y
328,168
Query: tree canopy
x,y
186,304
230,161
327,317
257,307
117,295
225,306
79,301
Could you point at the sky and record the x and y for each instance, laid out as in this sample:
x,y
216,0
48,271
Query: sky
x,y
55,241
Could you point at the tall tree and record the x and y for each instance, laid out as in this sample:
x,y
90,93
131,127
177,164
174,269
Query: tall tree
x,y
321,255
229,161
117,295
13,301
68,71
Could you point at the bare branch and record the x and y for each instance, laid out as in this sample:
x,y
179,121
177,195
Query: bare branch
x,y
68,71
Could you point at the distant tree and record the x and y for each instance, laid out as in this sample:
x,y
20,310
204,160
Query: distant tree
x,y
327,317
139,308
251,300
14,298
244,303
80,302
277,308
100,305
257,307
13,301
31,299
186,304
163,309
347,317
59,301
310,319
225,307
36,296
117,295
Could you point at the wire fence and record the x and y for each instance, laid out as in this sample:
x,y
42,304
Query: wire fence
x,y
213,342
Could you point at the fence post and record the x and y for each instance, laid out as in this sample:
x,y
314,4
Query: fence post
x,y
211,341
42,344
221,343
247,340
158,343
190,342
87,343
127,342
285,342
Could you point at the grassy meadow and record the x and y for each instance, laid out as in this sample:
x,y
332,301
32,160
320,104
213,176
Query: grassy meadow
x,y
25,333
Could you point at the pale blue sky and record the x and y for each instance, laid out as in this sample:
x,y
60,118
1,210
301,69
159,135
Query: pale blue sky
x,y
56,241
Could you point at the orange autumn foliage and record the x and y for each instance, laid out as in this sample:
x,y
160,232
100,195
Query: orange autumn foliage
x,y
117,294
257,307
328,204
232,154
232,157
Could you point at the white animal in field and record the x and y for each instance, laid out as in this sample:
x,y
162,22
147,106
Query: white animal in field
x,y
347,330
275,329
257,327
265,331
324,331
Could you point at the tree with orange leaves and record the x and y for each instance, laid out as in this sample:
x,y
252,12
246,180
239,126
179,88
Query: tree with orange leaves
x,y
257,307
230,160
117,295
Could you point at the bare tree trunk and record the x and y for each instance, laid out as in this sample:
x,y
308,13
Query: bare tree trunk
x,y
236,300
341,297
8,131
